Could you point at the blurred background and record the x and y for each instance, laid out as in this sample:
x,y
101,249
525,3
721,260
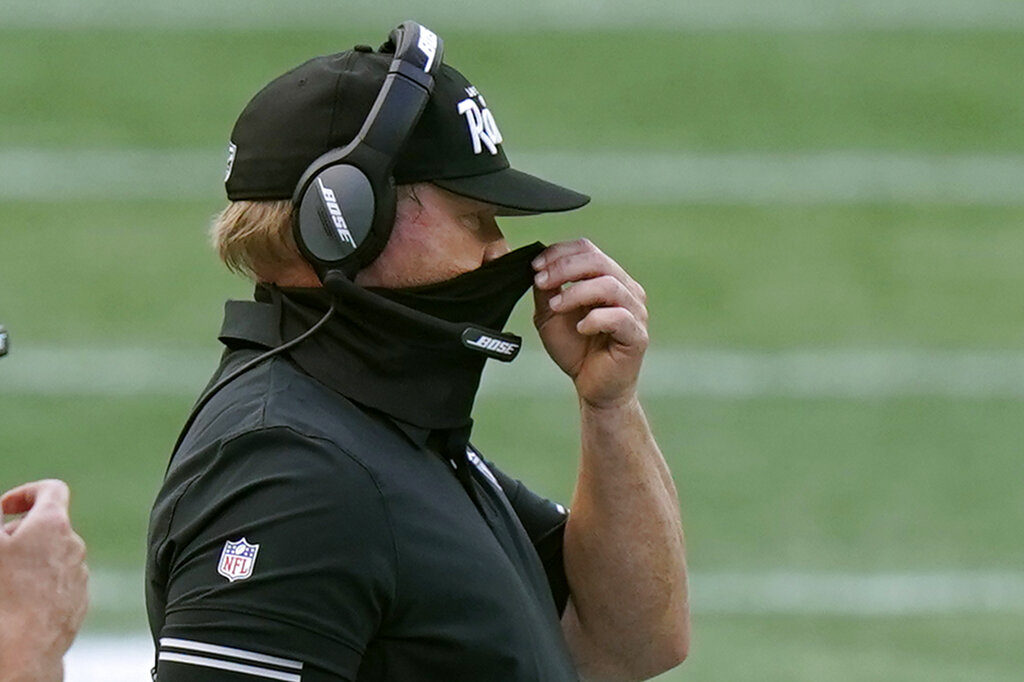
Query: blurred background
x,y
823,199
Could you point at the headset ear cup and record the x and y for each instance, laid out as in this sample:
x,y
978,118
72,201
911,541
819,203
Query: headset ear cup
x,y
335,218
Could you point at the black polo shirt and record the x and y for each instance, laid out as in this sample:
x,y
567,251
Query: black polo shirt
x,y
300,536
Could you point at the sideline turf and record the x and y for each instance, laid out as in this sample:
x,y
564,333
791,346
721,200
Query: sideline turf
x,y
641,89
871,485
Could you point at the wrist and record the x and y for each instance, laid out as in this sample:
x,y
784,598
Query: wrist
x,y
25,658
626,402
41,670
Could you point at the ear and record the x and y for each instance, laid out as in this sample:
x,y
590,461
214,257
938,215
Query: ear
x,y
409,203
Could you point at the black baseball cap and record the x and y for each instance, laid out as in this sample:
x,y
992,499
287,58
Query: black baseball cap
x,y
322,104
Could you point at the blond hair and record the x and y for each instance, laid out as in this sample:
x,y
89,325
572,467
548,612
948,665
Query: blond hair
x,y
254,238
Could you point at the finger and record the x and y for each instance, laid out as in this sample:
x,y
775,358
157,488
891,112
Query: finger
x,y
44,505
567,261
618,323
47,493
556,251
604,291
578,261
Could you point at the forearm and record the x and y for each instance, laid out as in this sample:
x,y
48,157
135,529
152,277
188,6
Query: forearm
x,y
624,550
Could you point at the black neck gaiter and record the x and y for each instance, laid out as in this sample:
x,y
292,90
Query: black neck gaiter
x,y
403,351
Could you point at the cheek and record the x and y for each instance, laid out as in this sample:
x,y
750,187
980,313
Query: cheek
x,y
436,251
414,257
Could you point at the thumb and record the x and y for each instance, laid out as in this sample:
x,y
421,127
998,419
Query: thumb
x,y
50,493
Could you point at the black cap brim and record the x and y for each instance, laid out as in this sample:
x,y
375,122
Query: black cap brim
x,y
515,192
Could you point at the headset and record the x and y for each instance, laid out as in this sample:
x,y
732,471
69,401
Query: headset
x,y
345,201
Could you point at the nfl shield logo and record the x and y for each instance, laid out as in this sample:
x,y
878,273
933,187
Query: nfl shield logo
x,y
237,560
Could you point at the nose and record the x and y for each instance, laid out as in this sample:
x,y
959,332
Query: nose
x,y
496,246
495,249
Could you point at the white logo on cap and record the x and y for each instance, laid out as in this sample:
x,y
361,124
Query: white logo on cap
x,y
483,130
232,150
428,46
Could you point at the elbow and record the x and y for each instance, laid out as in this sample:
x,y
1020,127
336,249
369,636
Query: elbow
x,y
677,649
675,644
638,653
680,644
667,650
661,654
665,654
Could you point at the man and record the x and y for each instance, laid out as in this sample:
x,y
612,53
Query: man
x,y
324,516
43,583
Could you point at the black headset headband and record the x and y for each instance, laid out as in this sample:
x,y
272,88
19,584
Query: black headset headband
x,y
345,201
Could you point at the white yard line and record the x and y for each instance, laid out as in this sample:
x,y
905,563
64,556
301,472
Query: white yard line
x,y
104,658
612,177
826,593
57,371
669,372
527,15
852,594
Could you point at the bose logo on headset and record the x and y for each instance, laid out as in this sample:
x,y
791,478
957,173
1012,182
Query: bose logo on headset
x,y
331,204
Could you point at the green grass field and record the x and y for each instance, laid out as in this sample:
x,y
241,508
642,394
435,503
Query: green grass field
x,y
868,485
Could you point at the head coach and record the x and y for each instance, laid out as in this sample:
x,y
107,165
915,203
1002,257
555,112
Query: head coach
x,y
324,515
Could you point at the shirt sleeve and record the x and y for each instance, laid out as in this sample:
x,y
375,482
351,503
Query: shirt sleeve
x,y
544,522
280,564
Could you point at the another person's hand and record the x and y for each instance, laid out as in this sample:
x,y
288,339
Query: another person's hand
x,y
595,329
43,583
